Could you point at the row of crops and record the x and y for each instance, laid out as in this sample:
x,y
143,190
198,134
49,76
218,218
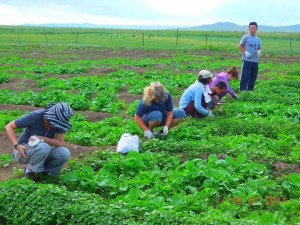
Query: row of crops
x,y
210,171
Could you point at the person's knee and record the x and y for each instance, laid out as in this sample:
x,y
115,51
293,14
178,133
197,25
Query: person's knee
x,y
179,114
152,118
62,154
156,116
42,149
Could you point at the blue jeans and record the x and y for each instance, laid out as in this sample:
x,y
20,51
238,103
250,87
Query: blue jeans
x,y
248,75
158,116
44,158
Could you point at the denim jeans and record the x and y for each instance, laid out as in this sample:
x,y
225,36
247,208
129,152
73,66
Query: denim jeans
x,y
158,116
44,158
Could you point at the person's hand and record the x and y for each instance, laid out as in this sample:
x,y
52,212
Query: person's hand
x,y
210,113
21,150
165,130
247,55
148,134
258,52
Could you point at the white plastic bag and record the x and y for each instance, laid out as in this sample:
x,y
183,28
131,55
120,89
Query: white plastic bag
x,y
128,142
34,141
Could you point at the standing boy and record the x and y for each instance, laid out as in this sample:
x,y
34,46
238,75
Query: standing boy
x,y
250,45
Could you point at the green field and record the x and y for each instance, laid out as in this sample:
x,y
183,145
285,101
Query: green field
x,y
242,167
144,39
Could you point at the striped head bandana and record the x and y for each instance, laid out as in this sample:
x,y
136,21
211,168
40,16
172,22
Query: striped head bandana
x,y
58,115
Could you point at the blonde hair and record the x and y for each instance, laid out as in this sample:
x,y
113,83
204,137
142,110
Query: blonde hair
x,y
155,89
234,72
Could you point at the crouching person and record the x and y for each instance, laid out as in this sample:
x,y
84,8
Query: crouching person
x,y
219,90
196,100
40,146
156,110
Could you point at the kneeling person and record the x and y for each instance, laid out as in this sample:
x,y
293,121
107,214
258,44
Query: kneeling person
x,y
219,90
156,110
40,146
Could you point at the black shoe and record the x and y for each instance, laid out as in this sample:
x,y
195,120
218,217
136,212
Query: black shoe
x,y
31,176
36,177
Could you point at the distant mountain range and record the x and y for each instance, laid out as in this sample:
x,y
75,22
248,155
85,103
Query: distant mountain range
x,y
221,26
234,27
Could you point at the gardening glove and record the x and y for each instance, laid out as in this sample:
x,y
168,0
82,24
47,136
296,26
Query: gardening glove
x,y
148,134
165,130
210,114
247,55
258,53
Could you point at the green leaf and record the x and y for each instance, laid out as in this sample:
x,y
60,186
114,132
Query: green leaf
x,y
241,158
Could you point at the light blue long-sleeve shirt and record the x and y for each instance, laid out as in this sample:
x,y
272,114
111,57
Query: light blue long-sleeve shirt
x,y
193,93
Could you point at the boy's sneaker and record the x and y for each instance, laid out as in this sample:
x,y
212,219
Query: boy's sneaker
x,y
36,177
29,174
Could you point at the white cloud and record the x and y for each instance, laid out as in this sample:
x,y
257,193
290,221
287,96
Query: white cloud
x,y
188,8
149,12
6,13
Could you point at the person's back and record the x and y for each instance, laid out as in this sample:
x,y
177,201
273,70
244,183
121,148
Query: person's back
x,y
189,94
218,78
225,77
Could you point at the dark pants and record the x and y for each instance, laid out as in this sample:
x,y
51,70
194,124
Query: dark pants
x,y
248,75
190,110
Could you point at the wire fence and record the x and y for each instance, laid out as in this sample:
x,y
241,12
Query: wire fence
x,y
148,39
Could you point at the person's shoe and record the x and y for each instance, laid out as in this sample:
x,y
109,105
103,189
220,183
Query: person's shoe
x,y
30,175
36,177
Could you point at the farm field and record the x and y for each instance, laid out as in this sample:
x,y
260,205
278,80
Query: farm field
x,y
242,167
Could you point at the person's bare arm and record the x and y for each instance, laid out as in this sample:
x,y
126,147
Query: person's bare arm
x,y
10,131
57,141
140,122
242,48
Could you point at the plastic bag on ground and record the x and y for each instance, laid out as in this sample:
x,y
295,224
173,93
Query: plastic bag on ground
x,y
128,142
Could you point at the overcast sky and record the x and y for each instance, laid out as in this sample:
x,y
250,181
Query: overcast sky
x,y
150,12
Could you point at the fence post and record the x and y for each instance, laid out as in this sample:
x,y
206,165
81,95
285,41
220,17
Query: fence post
x,y
76,37
177,37
290,44
206,39
19,37
45,35
143,39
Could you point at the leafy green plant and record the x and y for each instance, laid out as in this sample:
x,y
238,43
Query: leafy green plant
x,y
5,160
